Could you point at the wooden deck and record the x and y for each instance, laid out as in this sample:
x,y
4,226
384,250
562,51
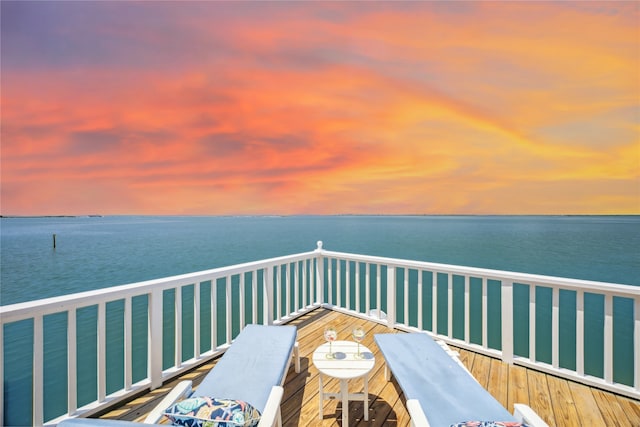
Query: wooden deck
x,y
558,401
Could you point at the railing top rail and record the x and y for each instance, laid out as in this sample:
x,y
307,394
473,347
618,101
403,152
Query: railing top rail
x,y
629,291
14,312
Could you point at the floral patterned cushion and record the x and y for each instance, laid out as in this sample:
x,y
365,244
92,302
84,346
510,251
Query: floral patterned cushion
x,y
489,424
211,412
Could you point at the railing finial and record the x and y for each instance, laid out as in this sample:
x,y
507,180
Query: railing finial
x,y
319,245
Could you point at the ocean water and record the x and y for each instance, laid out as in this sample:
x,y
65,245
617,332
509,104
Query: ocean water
x,y
98,252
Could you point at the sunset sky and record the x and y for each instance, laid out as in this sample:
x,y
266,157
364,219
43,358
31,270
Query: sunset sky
x,y
320,108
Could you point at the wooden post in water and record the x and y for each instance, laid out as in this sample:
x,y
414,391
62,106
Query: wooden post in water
x,y
54,241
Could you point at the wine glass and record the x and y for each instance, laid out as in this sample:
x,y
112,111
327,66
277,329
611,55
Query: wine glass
x,y
330,335
358,336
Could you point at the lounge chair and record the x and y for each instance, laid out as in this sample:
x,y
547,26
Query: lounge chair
x,y
252,370
439,390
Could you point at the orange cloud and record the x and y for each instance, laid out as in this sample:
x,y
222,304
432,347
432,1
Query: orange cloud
x,y
326,108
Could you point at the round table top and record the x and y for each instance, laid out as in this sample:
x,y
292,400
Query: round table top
x,y
345,365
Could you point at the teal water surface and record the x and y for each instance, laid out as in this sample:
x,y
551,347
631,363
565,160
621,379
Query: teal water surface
x,y
98,252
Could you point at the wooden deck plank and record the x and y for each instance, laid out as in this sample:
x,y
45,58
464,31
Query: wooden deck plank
x,y
564,408
499,381
586,405
518,387
480,370
539,396
611,409
631,408
558,401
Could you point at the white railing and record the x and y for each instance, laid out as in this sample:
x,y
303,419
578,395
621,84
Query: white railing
x,y
413,294
271,291
416,296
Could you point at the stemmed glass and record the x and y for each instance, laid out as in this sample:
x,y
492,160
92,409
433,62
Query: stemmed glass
x,y
330,335
358,336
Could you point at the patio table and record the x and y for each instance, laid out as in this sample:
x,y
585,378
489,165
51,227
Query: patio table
x,y
345,366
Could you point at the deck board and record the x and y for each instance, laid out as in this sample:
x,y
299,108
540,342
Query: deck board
x,y
564,407
560,402
587,406
518,388
539,395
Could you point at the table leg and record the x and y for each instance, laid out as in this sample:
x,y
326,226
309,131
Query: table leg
x,y
344,390
321,394
366,397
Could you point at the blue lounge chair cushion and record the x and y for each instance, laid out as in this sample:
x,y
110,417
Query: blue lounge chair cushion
x,y
445,390
257,360
201,411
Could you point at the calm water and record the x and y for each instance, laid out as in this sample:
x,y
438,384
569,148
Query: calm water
x,y
98,252
93,253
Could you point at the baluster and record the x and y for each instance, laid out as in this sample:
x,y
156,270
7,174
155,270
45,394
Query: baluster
x,y
305,283
178,321
154,348
348,284
287,291
338,282
636,343
467,311
450,305
485,315
555,328
72,364
367,289
296,286
214,314
580,332
532,323
608,338
391,297
330,280
279,292
357,287
434,302
127,345
196,320
420,313
241,298
379,289
229,314
254,296
406,296
507,321
320,261
102,351
38,370
267,281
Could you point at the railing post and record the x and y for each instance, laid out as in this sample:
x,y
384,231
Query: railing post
x,y
391,297
155,339
319,274
636,343
580,333
268,296
608,338
507,321
38,371
72,385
